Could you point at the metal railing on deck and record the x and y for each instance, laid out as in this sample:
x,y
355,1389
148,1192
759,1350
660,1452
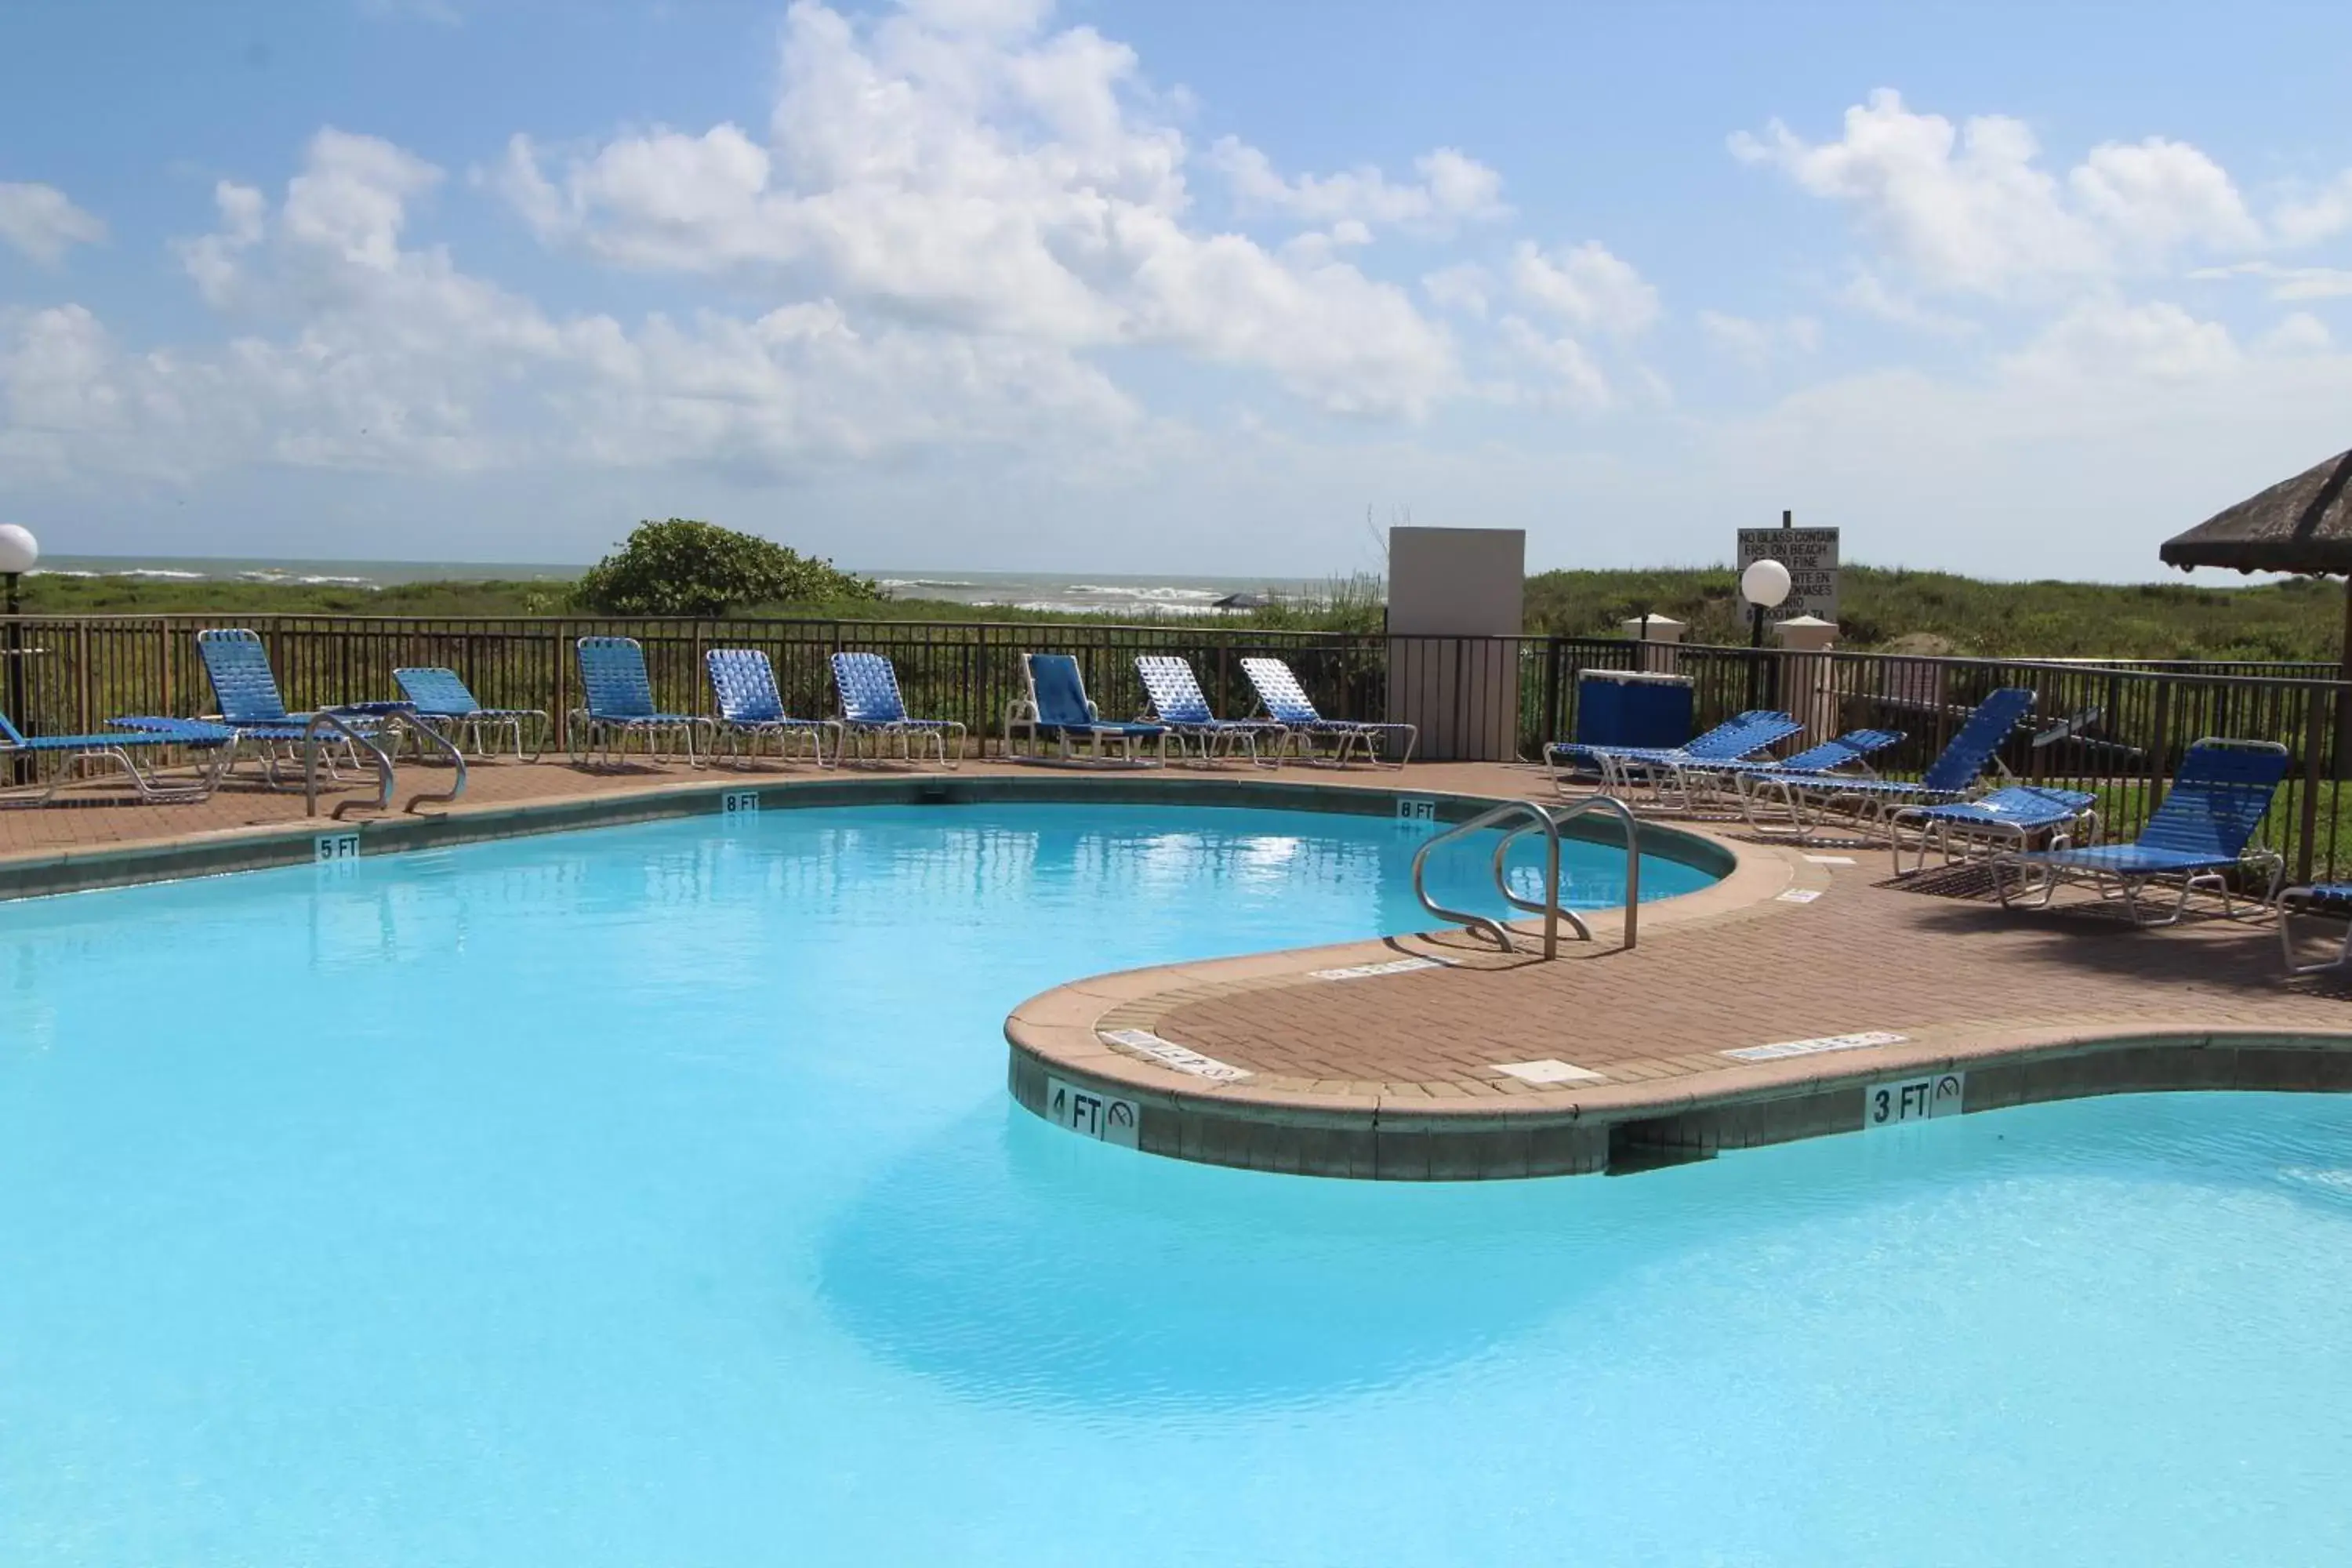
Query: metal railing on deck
x,y
2117,727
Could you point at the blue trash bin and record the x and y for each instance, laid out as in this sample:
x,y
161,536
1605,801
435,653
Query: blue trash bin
x,y
1632,707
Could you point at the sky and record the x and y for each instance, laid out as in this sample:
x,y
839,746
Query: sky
x,y
1139,285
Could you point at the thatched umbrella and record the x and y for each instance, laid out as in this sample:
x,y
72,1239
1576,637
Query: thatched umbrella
x,y
2303,524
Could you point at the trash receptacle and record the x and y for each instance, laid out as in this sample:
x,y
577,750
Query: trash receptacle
x,y
1632,707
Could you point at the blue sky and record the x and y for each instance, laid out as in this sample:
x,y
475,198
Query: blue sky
x,y
2016,290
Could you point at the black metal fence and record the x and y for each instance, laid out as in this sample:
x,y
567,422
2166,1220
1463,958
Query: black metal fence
x,y
2116,726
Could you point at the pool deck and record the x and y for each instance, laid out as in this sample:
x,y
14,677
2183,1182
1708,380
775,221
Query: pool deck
x,y
1270,1062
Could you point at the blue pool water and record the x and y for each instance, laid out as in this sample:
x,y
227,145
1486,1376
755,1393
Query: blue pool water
x,y
652,1197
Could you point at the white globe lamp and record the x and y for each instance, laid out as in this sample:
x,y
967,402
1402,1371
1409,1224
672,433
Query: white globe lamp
x,y
1764,584
18,550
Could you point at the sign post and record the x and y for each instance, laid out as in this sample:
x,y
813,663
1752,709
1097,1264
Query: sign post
x,y
1811,555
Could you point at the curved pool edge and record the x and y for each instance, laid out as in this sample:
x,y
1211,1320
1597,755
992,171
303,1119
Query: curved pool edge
x,y
1434,1131
82,867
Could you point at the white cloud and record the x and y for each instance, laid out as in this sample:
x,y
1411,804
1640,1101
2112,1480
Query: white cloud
x,y
2288,283
1564,370
1867,293
961,167
39,222
2323,215
1757,342
2157,195
1454,188
1586,287
2105,340
1971,208
1464,286
2298,332
372,353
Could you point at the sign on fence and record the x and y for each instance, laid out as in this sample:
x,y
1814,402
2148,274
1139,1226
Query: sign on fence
x,y
1811,555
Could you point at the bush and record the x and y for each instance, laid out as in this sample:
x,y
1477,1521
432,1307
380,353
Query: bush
x,y
679,567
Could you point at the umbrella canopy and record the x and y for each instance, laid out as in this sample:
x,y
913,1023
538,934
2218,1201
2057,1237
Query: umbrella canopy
x,y
2301,525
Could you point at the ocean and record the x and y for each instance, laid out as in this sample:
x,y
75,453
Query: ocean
x,y
1096,593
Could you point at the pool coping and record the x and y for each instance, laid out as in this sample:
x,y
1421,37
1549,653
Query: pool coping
x,y
42,873
1062,1049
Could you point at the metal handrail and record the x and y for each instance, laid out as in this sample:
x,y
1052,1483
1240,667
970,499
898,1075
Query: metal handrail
x,y
1548,825
432,736
327,720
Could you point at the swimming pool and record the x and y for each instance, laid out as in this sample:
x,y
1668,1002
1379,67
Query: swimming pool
x,y
651,1195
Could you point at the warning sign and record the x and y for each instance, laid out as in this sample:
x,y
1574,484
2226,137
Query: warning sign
x,y
1811,555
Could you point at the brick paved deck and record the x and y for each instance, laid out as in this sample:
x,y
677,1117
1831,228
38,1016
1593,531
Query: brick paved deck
x,y
1398,1074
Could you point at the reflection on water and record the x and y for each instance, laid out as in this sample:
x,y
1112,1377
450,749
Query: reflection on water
x,y
1016,1263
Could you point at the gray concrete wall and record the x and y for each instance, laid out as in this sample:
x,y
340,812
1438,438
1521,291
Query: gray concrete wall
x,y
1446,583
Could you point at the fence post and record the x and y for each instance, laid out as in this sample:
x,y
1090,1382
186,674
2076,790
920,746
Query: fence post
x,y
563,688
1550,729
2308,828
81,677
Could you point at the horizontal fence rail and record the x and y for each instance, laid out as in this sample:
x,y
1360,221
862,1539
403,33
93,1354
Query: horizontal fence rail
x,y
2116,726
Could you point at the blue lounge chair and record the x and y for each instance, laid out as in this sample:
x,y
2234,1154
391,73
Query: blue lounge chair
x,y
1838,756
1057,709
1951,778
620,704
2011,819
1625,769
871,704
440,700
1695,783
2203,830
244,690
1178,702
751,709
2333,899
1285,703
52,761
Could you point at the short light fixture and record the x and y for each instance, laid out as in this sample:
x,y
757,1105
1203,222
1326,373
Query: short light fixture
x,y
18,550
1765,585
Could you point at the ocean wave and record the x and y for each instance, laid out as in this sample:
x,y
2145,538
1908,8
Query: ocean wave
x,y
58,572
166,573
1096,607
1149,596
926,582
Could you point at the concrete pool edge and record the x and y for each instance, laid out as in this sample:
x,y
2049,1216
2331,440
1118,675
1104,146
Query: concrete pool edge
x,y
1622,1130
1062,1040
222,851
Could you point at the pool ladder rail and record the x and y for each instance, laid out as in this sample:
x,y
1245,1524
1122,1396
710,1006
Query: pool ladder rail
x,y
1534,818
332,727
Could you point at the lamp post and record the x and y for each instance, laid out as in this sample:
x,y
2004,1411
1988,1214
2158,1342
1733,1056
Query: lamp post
x,y
18,550
1764,585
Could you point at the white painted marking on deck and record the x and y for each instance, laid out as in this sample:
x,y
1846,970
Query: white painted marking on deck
x,y
1800,895
1168,1053
1550,1070
333,848
1092,1113
1830,860
1773,1053
1364,971
1912,1100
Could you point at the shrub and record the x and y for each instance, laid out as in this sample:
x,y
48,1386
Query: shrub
x,y
679,567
